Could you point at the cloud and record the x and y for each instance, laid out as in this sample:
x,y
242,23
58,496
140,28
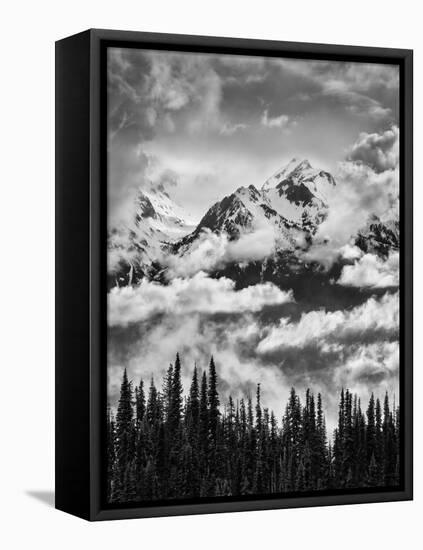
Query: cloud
x,y
229,129
200,294
350,252
280,121
372,272
211,251
361,194
178,106
152,345
154,93
320,328
368,365
359,88
379,151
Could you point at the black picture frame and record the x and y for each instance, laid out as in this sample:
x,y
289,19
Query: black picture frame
x,y
81,274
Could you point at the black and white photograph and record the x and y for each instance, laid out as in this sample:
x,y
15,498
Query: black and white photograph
x,y
211,232
253,289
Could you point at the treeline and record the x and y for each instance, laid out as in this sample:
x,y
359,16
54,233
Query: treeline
x,y
164,446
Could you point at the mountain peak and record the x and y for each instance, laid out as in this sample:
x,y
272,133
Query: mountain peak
x,y
303,165
295,166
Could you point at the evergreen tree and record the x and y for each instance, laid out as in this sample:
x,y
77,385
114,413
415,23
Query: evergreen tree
x,y
389,445
124,442
371,429
111,454
193,407
175,405
167,392
168,446
213,403
139,403
203,412
153,406
379,442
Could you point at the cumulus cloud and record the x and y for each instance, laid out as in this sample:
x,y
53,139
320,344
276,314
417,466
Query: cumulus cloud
x,y
379,151
149,94
212,251
280,121
370,271
229,129
369,364
200,294
350,252
148,350
357,87
320,327
361,193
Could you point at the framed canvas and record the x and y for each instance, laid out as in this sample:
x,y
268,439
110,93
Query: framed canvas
x,y
234,274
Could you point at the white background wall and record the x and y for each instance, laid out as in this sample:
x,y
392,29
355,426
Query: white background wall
x,y
27,37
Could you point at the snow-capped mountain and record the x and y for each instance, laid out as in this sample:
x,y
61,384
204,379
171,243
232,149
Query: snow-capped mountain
x,y
379,236
157,222
301,173
290,205
239,213
292,202
300,194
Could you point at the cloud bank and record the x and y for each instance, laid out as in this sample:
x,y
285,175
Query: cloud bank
x,y
200,294
370,271
367,186
321,328
378,151
212,251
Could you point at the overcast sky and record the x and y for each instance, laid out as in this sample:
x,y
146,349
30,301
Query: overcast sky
x,y
210,123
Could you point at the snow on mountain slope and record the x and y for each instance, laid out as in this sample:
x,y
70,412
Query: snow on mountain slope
x,y
290,202
132,248
285,213
300,173
300,194
242,212
379,236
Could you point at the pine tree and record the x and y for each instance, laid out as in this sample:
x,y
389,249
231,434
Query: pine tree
x,y
125,444
360,445
213,403
379,443
371,429
139,403
153,407
169,446
348,447
175,405
389,445
167,392
111,454
203,412
292,438
193,407
259,482
339,444
321,446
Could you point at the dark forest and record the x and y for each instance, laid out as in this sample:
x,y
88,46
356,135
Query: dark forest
x,y
164,445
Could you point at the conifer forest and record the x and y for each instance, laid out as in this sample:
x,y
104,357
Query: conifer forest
x,y
163,445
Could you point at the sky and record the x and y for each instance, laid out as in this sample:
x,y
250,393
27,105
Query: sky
x,y
204,125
